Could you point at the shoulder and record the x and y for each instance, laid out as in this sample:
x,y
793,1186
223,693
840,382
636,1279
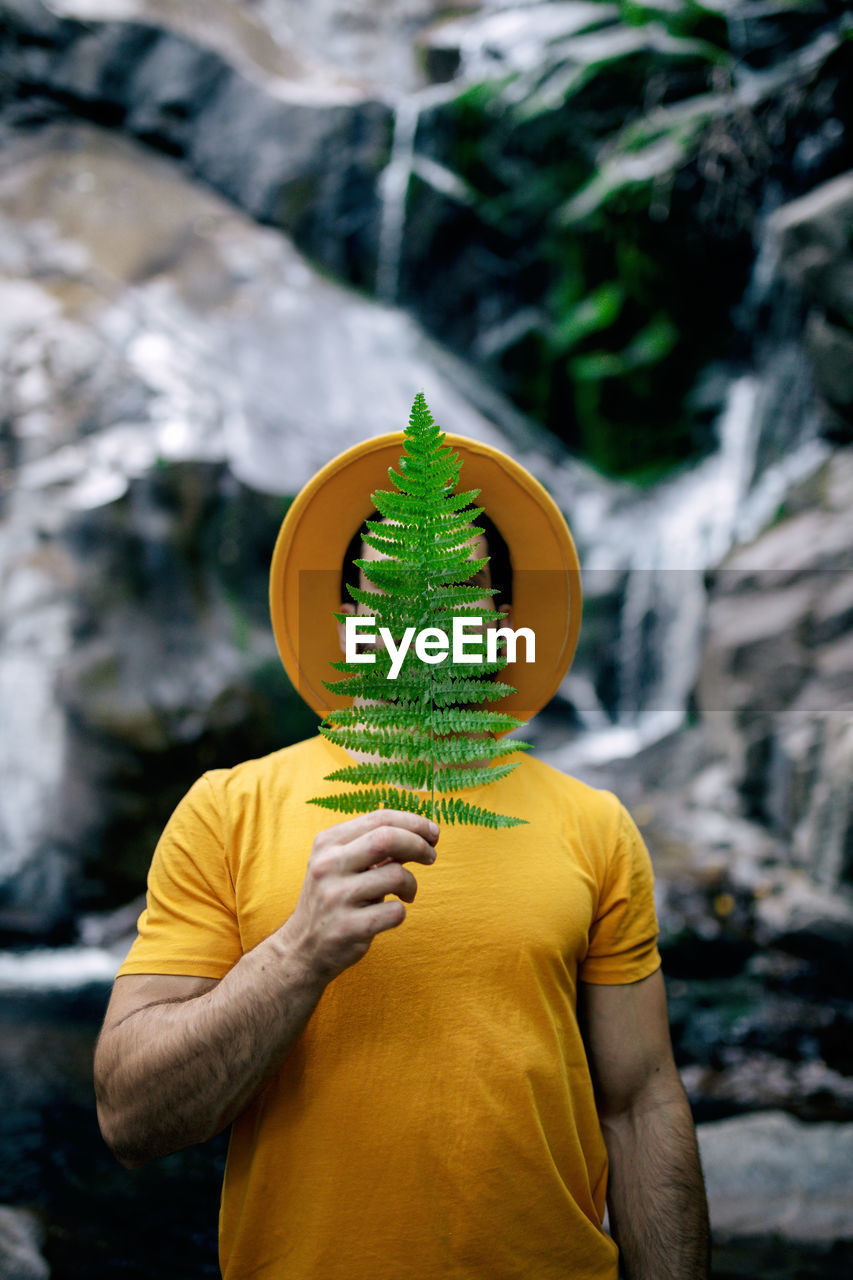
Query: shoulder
x,y
228,809
591,807
226,797
275,772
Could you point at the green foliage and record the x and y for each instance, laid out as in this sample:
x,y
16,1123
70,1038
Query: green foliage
x,y
425,729
616,167
613,277
593,314
685,19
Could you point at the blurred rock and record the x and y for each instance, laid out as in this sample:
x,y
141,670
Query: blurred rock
x,y
815,236
814,240
776,685
201,86
813,923
147,320
112,928
831,350
746,1081
21,1239
374,43
773,1178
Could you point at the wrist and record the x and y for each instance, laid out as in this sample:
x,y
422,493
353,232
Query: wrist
x,y
295,962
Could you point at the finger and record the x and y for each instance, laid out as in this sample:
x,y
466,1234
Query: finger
x,y
382,916
354,828
378,882
381,845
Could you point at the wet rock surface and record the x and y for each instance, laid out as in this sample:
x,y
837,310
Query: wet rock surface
x,y
20,1246
200,89
779,1194
814,238
776,686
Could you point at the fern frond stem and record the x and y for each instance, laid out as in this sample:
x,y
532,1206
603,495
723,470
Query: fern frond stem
x,y
432,750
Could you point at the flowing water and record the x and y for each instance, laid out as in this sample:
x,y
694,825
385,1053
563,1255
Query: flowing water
x,y
669,538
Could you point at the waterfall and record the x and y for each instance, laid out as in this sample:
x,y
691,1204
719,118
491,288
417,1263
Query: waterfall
x,y
664,607
668,538
403,164
394,190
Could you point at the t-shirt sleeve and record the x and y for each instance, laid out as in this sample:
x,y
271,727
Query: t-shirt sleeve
x,y
623,936
189,925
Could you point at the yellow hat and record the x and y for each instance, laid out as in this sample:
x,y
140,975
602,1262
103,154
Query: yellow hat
x,y
305,577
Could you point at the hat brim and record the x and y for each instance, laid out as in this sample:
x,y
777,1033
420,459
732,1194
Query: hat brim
x,y
321,521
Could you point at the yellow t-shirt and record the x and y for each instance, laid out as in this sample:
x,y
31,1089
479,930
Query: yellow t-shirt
x,y
436,1118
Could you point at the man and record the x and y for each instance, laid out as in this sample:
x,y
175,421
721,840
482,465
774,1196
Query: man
x,y
428,1086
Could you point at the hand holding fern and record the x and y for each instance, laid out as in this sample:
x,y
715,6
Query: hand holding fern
x,y
352,868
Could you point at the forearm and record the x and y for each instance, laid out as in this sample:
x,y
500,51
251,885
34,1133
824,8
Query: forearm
x,y
175,1070
175,1073
656,1195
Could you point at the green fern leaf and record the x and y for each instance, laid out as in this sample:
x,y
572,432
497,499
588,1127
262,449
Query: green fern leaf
x,y
426,730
